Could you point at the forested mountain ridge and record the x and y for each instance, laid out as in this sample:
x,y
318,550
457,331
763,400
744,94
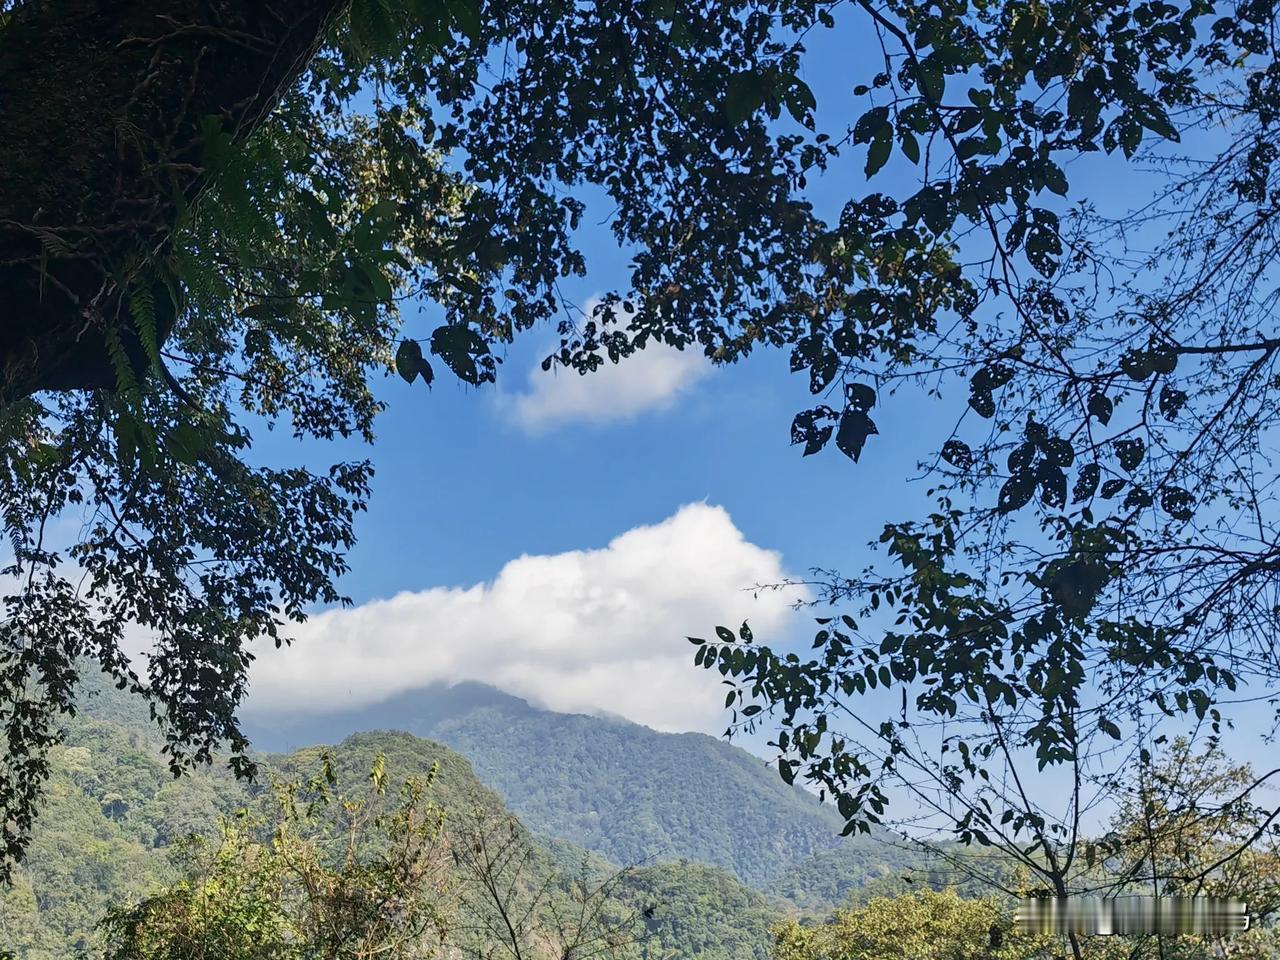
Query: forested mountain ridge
x,y
628,792
114,811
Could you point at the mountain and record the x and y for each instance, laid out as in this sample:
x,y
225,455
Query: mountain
x,y
627,792
113,813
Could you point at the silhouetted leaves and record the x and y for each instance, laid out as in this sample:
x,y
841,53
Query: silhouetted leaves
x,y
1130,452
1053,484
1177,502
410,363
1016,492
1100,408
1111,487
958,454
855,427
464,351
811,428
1172,401
1086,482
983,384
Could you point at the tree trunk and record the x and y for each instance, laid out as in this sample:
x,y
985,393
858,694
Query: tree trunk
x,y
102,110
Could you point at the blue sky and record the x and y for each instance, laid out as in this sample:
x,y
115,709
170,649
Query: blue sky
x,y
564,557
469,480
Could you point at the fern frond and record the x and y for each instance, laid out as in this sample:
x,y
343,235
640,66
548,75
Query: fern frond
x,y
142,308
126,382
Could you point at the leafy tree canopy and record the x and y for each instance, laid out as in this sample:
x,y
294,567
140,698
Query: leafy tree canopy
x,y
928,925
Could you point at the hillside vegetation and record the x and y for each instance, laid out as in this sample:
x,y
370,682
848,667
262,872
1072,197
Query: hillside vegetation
x,y
630,793
107,839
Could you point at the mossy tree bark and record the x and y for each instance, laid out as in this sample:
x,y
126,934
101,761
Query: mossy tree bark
x,y
103,111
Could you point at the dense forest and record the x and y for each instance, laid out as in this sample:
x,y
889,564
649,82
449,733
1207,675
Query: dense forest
x,y
630,793
127,851
115,817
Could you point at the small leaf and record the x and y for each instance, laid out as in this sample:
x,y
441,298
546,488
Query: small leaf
x,y
910,147
982,403
1177,502
1016,492
1171,401
1111,487
408,358
1156,120
932,82
1130,452
855,427
1086,482
870,124
860,396
807,428
1138,498
1100,408
1059,451
1021,457
957,454
459,347
1137,364
186,443
1055,179
1053,485
878,152
1163,359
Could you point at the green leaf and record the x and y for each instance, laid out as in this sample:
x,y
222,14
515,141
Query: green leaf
x,y
870,124
187,443
1055,179
860,396
459,347
465,15
855,427
1171,401
958,454
1178,503
1157,121
1100,408
910,147
744,95
1137,364
933,83
1086,482
1053,485
878,152
1111,487
1130,452
408,359
1016,492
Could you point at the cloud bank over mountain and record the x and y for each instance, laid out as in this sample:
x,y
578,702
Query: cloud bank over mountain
x,y
591,631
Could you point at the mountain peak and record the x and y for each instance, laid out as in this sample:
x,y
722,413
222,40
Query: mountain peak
x,y
626,791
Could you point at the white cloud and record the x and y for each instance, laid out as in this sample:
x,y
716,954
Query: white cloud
x,y
595,631
651,379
